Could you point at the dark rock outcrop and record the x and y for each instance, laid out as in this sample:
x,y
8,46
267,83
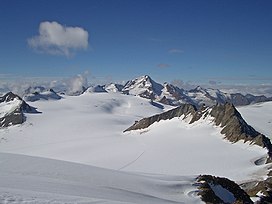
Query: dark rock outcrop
x,y
183,110
263,187
15,114
235,128
221,190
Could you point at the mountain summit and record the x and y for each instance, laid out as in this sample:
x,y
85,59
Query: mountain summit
x,y
143,86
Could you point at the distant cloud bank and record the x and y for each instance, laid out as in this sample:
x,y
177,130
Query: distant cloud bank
x,y
57,39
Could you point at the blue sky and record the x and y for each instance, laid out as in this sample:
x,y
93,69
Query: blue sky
x,y
226,41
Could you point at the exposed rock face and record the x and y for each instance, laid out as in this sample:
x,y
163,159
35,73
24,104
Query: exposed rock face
x,y
235,127
263,187
12,109
226,116
221,190
183,110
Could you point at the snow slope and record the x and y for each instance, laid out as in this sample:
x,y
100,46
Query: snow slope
x,y
33,180
259,116
85,129
88,129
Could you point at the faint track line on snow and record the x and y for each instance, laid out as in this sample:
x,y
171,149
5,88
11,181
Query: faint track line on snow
x,y
133,161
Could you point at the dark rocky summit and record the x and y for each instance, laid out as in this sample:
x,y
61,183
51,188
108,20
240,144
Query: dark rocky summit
x,y
15,113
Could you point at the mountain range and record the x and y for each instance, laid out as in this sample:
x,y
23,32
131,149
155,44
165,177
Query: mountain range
x,y
146,87
167,93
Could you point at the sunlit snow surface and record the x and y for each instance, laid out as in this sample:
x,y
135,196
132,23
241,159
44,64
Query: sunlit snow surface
x,y
163,160
259,116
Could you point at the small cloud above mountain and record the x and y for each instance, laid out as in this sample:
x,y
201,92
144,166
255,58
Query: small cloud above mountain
x,y
57,39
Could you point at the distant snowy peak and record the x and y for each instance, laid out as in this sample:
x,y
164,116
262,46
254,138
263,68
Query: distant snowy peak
x,y
143,86
208,96
42,94
113,88
12,108
173,95
239,99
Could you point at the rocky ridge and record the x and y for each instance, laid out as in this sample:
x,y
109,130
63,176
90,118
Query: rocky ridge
x,y
226,116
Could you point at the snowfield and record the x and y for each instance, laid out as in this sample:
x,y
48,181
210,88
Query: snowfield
x,y
35,180
259,116
154,165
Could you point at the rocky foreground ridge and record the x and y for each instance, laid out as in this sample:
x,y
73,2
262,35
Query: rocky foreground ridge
x,y
12,109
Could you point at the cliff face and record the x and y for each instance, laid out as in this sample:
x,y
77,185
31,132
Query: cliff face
x,y
226,116
235,128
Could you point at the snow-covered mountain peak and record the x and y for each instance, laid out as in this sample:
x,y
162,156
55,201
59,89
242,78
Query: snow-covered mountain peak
x,y
198,89
12,108
143,86
112,87
9,103
9,97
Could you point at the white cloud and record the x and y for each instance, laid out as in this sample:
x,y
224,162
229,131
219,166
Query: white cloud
x,y
57,39
75,85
